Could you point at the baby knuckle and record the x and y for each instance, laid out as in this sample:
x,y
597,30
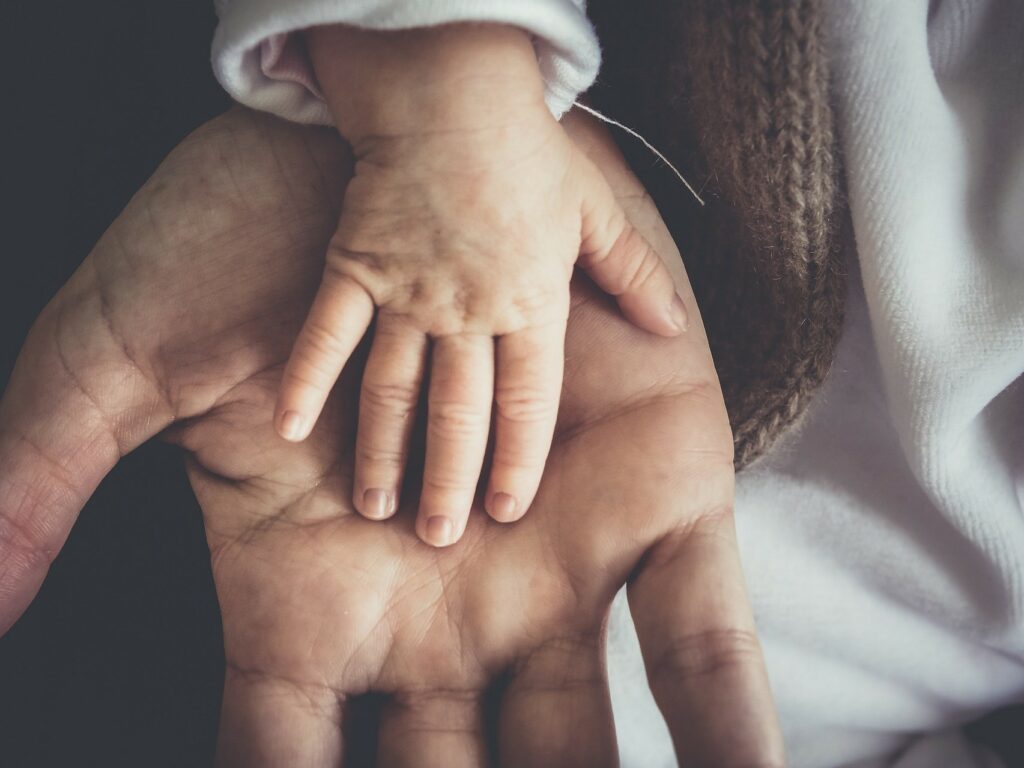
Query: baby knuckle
x,y
367,453
365,269
644,269
337,268
537,302
444,482
518,459
321,342
309,374
456,419
607,234
631,245
345,254
390,398
524,404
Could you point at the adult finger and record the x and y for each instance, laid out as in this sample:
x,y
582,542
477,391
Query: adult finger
x,y
699,644
458,421
433,729
268,722
556,709
387,410
528,384
337,321
76,402
622,263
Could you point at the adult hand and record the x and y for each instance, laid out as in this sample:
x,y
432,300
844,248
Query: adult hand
x,y
183,317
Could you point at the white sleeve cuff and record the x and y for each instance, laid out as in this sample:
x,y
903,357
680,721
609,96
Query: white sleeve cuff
x,y
263,66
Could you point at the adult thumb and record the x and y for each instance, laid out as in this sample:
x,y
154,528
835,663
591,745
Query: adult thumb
x,y
75,404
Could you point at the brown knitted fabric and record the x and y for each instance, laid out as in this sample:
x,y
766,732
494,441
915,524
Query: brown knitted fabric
x,y
736,93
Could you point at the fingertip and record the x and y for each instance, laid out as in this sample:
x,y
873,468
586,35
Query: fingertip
x,y
375,504
504,507
293,426
629,268
672,321
439,531
678,315
668,320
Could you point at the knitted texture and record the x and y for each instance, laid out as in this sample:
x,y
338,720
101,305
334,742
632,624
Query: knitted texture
x,y
736,93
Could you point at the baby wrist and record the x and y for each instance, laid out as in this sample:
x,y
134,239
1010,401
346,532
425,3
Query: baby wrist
x,y
404,82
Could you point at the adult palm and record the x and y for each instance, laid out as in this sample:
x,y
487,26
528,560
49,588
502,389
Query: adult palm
x,y
491,651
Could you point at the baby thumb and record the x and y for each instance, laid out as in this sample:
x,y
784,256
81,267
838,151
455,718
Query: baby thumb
x,y
622,263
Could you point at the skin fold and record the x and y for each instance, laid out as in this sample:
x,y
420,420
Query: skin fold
x,y
180,322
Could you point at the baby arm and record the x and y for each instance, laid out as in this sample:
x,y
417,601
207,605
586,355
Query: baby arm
x,y
458,234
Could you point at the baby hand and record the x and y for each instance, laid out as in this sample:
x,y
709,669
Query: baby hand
x,y
467,212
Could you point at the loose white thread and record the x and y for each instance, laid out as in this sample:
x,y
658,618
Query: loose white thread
x,y
645,142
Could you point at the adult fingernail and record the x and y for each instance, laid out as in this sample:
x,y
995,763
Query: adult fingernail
x,y
439,531
678,314
291,425
376,503
503,507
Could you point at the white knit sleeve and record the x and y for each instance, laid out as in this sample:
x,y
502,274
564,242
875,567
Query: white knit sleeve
x,y
263,65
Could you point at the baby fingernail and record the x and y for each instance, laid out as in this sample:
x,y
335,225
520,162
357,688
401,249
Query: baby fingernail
x,y
440,531
291,425
677,313
503,507
376,503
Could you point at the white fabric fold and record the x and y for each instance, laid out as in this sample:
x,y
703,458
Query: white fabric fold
x,y
262,62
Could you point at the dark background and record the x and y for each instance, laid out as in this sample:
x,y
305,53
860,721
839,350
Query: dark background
x,y
118,662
